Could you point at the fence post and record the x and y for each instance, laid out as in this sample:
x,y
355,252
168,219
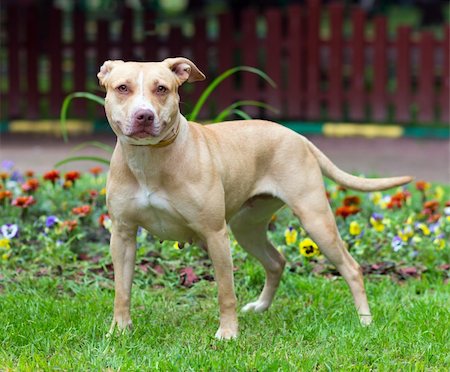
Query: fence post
x,y
313,60
13,33
426,96
79,60
357,96
380,72
403,96
55,57
445,88
295,89
32,58
335,72
273,59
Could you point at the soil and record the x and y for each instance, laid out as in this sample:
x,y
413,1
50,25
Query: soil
x,y
425,159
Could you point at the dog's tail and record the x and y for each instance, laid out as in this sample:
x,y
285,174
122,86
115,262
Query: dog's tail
x,y
331,171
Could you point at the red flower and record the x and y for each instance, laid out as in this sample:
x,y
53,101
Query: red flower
x,y
347,210
5,194
51,176
102,219
351,200
72,176
96,170
430,207
422,185
397,200
30,185
82,211
70,224
23,201
93,194
29,173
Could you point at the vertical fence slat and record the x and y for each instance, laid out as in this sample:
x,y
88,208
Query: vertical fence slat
x,y
313,59
335,77
426,94
13,32
273,59
175,42
295,64
55,57
79,60
126,37
200,56
32,58
403,72
102,42
445,89
249,47
357,96
225,51
380,72
150,42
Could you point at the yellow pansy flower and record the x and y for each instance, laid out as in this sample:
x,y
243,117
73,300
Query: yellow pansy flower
x,y
308,248
424,228
290,235
4,243
355,228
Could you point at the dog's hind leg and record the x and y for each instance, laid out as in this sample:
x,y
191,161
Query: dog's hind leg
x,y
249,227
314,212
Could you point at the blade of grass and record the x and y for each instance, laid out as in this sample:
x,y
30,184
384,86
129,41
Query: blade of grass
x,y
241,113
201,101
65,108
226,112
100,145
82,158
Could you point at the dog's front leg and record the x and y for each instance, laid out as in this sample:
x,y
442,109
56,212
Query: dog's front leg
x,y
123,251
219,251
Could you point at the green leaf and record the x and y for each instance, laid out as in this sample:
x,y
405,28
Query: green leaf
x,y
96,159
215,83
226,112
241,113
109,149
65,108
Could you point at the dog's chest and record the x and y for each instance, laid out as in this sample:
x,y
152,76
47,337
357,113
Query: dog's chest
x,y
159,216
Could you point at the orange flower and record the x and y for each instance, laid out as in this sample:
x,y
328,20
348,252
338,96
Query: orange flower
x,y
29,173
5,194
347,210
4,176
351,200
23,201
102,219
51,176
72,176
70,224
30,185
422,185
397,200
430,206
82,211
96,170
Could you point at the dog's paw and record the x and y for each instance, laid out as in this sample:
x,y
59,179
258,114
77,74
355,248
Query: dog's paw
x,y
257,307
365,320
119,327
226,333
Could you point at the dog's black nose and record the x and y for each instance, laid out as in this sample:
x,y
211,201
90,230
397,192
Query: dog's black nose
x,y
144,117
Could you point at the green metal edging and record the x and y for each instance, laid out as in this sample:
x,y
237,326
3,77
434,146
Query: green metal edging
x,y
303,127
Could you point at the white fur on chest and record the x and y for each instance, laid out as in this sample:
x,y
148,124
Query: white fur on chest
x,y
148,199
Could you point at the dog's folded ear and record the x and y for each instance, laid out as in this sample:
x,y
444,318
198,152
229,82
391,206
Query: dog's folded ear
x,y
105,71
184,69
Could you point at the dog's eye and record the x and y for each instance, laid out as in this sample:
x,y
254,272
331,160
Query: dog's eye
x,y
161,89
122,88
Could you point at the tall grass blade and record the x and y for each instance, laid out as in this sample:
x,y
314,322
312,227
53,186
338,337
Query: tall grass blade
x,y
226,112
215,83
82,158
65,108
102,146
241,113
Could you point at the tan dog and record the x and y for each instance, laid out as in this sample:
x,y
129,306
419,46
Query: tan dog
x,y
185,181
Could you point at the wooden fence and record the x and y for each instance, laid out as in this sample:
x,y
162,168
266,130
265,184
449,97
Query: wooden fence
x,y
367,75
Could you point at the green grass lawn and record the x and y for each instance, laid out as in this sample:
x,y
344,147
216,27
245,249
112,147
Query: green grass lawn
x,y
53,323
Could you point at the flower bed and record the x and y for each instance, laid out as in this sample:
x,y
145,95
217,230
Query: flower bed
x,y
55,221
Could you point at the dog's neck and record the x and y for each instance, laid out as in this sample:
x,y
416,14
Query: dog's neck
x,y
157,154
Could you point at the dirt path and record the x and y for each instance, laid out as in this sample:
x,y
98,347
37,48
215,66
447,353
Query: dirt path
x,y
422,158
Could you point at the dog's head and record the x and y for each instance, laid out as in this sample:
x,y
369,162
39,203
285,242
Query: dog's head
x,y
142,98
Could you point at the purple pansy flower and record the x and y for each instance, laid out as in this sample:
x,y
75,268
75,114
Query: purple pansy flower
x,y
50,221
396,243
7,165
